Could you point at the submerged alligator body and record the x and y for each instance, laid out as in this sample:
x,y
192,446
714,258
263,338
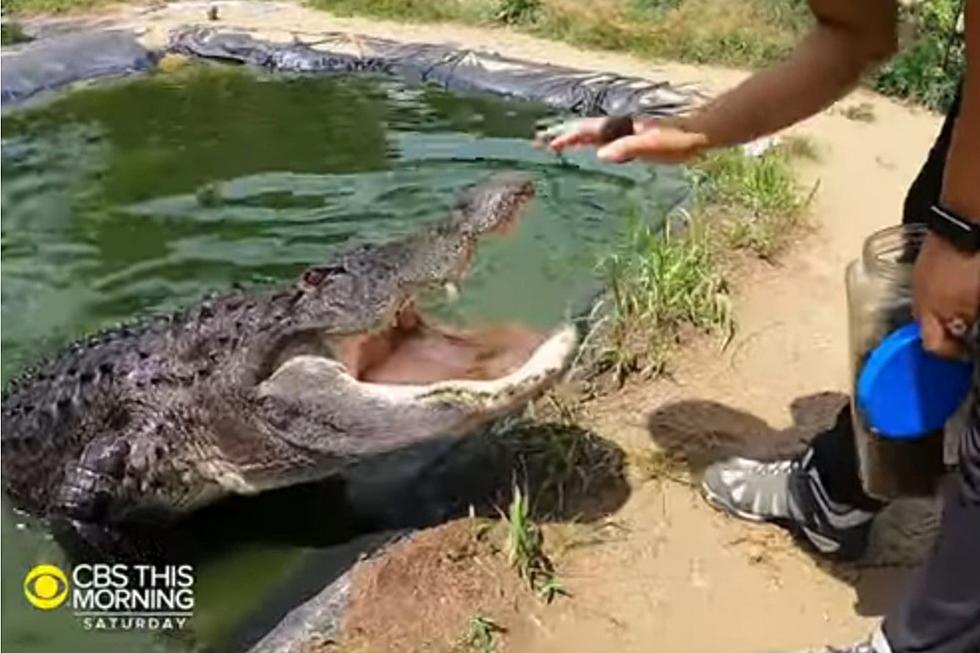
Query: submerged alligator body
x,y
248,391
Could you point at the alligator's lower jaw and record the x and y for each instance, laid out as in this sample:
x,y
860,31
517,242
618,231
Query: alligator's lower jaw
x,y
536,373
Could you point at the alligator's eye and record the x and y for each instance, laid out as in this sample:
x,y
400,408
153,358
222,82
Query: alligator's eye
x,y
315,276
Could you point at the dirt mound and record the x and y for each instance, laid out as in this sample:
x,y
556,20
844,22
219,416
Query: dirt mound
x,y
433,591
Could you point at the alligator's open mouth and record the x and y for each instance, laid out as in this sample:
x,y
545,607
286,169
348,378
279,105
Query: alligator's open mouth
x,y
412,350
416,351
394,377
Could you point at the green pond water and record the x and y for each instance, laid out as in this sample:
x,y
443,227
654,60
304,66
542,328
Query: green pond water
x,y
142,196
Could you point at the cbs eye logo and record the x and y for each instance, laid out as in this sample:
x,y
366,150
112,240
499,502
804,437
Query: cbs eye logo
x,y
45,587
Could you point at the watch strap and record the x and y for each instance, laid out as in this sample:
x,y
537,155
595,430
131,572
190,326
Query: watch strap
x,y
962,233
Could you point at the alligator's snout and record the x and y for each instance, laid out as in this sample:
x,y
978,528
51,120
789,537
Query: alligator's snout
x,y
496,205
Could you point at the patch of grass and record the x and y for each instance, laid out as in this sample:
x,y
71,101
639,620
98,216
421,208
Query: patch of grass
x,y
737,32
800,148
28,7
481,634
748,33
755,197
478,11
664,283
757,184
932,60
653,464
525,551
12,33
658,283
516,12
861,112
562,466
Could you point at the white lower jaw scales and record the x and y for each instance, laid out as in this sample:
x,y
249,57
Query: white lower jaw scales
x,y
548,360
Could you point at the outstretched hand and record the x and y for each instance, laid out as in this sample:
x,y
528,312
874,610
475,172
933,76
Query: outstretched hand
x,y
661,141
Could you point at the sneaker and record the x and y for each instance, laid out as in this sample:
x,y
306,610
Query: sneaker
x,y
750,489
788,493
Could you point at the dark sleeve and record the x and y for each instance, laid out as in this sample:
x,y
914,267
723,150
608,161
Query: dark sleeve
x,y
925,190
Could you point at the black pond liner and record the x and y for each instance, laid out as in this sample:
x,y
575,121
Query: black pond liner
x,y
455,69
52,63
55,62
313,601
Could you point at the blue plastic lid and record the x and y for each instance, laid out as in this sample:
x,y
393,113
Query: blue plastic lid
x,y
905,392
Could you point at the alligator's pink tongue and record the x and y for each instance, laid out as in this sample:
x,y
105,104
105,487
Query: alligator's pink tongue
x,y
427,354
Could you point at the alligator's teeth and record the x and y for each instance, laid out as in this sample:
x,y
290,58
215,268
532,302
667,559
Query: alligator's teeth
x,y
452,291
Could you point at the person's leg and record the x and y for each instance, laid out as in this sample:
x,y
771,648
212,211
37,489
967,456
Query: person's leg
x,y
940,612
818,494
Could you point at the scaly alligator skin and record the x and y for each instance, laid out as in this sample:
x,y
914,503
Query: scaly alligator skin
x,y
256,390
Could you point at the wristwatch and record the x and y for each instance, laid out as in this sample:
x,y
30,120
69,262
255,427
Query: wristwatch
x,y
963,234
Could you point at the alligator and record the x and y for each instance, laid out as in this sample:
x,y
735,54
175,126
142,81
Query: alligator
x,y
259,389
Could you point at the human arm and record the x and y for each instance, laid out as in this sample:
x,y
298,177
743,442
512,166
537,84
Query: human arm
x,y
848,39
946,281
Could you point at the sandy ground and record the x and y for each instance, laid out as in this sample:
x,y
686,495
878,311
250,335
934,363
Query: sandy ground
x,y
685,578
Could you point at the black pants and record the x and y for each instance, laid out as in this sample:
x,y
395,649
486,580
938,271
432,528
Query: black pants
x,y
940,611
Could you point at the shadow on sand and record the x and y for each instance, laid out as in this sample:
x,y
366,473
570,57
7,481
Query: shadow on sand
x,y
699,433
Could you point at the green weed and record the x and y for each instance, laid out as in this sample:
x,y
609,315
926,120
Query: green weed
x,y
756,197
800,148
758,184
932,61
663,282
22,7
12,33
563,466
658,282
516,12
657,465
862,112
525,551
404,10
481,634
753,32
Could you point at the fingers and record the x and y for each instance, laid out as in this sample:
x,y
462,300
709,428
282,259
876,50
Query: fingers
x,y
624,149
570,139
653,142
570,134
938,339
